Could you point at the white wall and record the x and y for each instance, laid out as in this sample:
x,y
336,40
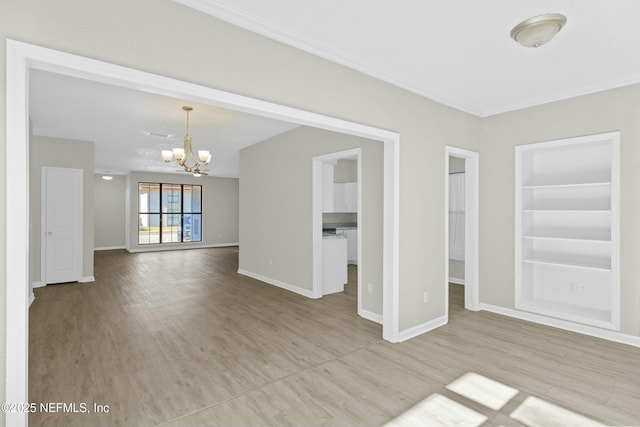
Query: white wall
x,y
62,153
617,109
276,207
109,212
219,209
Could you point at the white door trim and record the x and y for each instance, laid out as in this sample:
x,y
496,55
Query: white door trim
x,y
21,57
471,229
317,191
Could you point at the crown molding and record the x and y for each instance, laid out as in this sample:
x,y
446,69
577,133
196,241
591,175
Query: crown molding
x,y
276,32
315,47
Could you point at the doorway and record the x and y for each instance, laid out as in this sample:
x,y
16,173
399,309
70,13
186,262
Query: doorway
x,y
21,57
461,227
321,181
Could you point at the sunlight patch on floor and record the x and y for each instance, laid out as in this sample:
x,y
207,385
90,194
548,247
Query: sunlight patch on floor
x,y
438,410
483,390
536,412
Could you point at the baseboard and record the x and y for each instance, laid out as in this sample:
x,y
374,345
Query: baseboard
x,y
456,281
300,291
38,284
370,316
32,298
157,248
421,329
109,248
563,324
86,279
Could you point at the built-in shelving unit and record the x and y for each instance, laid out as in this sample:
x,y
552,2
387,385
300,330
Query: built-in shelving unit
x,y
567,229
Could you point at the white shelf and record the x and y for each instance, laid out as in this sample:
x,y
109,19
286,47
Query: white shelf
x,y
573,264
568,210
594,239
575,313
577,185
567,229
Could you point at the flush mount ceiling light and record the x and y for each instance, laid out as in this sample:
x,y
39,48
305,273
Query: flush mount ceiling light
x,y
185,155
107,177
536,31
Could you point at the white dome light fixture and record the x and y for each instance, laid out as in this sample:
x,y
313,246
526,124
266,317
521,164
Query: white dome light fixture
x,y
538,30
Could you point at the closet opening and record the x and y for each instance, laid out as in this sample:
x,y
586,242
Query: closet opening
x,y
461,228
456,232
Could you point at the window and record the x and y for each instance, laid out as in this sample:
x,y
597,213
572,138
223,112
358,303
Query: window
x,y
169,213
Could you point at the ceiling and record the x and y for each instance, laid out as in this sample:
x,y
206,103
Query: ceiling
x,y
457,52
117,120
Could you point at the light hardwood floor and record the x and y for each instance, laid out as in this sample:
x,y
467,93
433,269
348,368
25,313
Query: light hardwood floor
x,y
179,338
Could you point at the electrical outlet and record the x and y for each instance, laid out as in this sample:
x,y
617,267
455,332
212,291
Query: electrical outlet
x,y
426,297
370,288
270,262
573,286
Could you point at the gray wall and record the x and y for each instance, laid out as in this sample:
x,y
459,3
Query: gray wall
x,y
456,164
276,207
345,171
109,212
61,153
219,209
617,109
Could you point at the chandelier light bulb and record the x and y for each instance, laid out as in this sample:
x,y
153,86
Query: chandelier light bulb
x,y
204,156
179,153
167,155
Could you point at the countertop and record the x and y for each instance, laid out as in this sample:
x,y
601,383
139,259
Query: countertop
x,y
333,236
341,225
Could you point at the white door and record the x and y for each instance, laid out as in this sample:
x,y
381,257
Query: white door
x,y
62,224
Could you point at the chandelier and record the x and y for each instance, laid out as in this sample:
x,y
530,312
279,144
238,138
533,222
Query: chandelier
x,y
185,157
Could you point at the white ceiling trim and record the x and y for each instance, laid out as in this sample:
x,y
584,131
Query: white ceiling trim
x,y
565,95
316,47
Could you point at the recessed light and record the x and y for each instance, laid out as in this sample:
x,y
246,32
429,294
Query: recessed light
x,y
107,177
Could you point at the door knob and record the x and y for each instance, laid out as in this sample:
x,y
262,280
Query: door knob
x,y
49,233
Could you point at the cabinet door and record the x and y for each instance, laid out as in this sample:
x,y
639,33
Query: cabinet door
x,y
351,196
327,188
338,197
352,246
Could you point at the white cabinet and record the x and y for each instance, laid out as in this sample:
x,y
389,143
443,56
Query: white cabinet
x,y
338,197
334,264
327,187
351,196
345,197
352,245
567,229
